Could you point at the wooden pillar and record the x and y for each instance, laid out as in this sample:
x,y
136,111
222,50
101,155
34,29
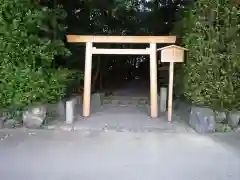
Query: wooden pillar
x,y
170,90
153,80
87,80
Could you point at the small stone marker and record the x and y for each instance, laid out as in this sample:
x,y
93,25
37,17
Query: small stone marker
x,y
70,106
96,102
163,99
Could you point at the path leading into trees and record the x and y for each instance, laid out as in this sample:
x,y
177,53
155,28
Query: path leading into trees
x,y
137,87
127,109
94,155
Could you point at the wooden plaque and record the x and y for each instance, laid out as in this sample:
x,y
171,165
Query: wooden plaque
x,y
172,53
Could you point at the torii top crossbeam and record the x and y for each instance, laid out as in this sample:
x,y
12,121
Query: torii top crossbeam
x,y
121,39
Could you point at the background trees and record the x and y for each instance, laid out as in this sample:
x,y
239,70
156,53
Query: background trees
x,y
117,17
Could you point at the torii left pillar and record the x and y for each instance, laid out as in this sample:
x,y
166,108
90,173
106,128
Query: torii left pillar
x,y
87,80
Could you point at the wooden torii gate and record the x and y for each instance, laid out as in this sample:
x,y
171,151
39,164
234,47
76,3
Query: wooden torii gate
x,y
151,51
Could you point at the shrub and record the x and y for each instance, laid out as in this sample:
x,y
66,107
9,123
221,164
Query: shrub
x,y
21,87
27,49
211,32
25,34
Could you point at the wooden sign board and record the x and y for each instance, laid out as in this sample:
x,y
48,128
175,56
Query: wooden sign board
x,y
172,53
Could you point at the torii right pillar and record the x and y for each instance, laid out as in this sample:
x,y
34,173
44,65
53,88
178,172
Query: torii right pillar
x,y
172,54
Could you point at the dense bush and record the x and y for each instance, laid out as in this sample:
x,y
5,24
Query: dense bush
x,y
27,50
26,34
22,86
211,32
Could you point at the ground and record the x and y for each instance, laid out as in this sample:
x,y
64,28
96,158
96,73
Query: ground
x,y
124,119
119,143
59,155
127,117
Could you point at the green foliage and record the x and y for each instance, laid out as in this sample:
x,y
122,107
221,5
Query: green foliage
x,y
21,87
27,49
25,34
211,32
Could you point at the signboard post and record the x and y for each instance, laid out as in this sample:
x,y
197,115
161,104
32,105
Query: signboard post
x,y
171,54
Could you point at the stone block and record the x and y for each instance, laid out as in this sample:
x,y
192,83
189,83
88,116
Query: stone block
x,y
70,110
234,118
33,117
202,120
96,102
56,111
163,99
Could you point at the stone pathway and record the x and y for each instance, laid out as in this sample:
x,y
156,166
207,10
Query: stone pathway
x,y
125,119
94,155
128,111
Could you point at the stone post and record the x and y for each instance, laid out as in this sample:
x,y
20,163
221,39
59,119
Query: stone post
x,y
163,99
70,106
